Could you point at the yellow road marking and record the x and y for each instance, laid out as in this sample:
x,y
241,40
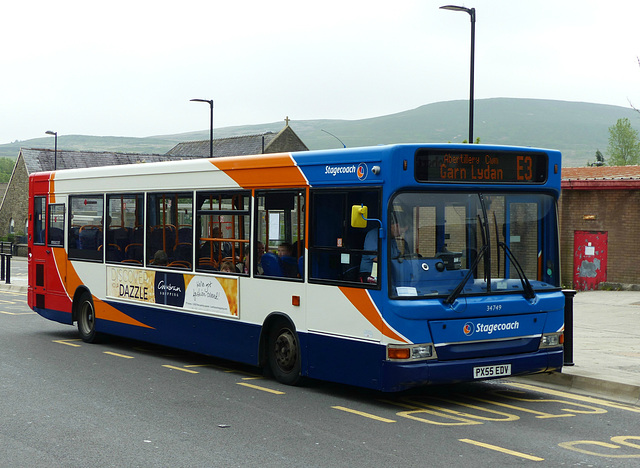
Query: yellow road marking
x,y
205,365
67,342
180,369
418,413
619,439
230,371
16,313
362,413
249,374
264,389
118,355
501,449
587,399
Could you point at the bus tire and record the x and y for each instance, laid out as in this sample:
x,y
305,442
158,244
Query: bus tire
x,y
284,353
87,319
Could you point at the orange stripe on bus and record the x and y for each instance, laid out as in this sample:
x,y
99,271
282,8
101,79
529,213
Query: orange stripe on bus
x,y
269,170
361,301
52,188
104,311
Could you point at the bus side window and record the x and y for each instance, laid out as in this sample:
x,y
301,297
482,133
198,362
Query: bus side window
x,y
125,230
55,227
86,230
280,246
167,215
223,226
39,213
338,250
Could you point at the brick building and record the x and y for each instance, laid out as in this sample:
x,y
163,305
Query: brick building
x,y
599,226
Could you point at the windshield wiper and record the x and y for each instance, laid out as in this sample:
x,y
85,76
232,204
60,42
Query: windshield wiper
x,y
529,293
486,241
456,292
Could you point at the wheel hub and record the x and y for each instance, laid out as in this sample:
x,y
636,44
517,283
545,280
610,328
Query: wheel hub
x,y
286,351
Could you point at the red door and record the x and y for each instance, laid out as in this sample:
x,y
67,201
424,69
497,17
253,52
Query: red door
x,y
589,259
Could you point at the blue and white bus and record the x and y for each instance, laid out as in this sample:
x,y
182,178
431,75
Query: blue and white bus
x,y
387,267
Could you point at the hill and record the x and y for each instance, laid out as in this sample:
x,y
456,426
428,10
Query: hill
x,y
577,129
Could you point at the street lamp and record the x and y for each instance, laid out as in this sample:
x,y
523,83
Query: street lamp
x,y
472,14
210,102
55,151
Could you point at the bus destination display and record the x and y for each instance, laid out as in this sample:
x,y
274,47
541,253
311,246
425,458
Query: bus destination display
x,y
487,167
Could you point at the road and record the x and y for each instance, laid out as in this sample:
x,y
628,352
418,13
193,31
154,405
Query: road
x,y
123,403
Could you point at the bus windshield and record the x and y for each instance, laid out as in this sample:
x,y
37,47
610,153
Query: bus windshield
x,y
456,244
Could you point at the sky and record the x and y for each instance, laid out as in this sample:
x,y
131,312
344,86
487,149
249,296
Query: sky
x,y
130,68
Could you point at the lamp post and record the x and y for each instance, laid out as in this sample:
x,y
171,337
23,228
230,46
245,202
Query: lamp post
x,y
472,14
210,102
55,150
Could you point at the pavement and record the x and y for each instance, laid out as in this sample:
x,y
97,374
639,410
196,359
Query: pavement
x,y
606,346
606,341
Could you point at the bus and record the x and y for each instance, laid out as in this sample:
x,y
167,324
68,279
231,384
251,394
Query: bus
x,y
387,267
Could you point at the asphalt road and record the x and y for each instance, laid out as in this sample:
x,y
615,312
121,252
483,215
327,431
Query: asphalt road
x,y
123,403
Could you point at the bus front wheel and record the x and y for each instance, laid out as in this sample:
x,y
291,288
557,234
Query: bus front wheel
x,y
284,353
87,319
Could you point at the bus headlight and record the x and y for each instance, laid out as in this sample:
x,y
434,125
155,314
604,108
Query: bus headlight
x,y
414,352
552,340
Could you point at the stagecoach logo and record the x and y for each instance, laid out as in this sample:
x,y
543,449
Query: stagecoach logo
x,y
362,171
468,328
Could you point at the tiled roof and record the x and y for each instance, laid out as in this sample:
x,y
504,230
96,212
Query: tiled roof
x,y
601,178
234,146
601,173
39,160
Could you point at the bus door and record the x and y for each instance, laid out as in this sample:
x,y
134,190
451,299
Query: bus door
x,y
38,253
55,250
45,274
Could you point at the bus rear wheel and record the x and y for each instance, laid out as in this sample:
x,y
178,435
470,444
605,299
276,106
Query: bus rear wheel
x,y
284,353
87,319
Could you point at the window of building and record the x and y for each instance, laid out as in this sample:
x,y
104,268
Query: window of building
x,y
223,230
169,230
125,228
280,227
85,227
339,252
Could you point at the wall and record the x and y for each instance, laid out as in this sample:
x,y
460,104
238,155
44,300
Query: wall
x,y
615,211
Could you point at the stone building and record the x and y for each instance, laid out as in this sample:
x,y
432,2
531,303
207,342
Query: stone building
x,y
599,225
265,143
14,208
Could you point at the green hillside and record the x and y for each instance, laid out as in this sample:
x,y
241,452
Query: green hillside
x,y
575,128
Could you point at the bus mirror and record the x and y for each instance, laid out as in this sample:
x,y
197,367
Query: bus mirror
x,y
358,215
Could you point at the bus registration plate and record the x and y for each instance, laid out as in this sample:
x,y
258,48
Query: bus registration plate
x,y
491,371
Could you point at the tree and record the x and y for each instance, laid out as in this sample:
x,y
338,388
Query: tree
x,y
624,146
6,168
599,160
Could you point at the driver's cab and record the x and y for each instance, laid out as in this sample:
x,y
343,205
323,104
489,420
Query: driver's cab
x,y
450,244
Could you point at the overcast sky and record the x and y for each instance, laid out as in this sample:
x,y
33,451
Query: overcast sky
x,y
129,68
